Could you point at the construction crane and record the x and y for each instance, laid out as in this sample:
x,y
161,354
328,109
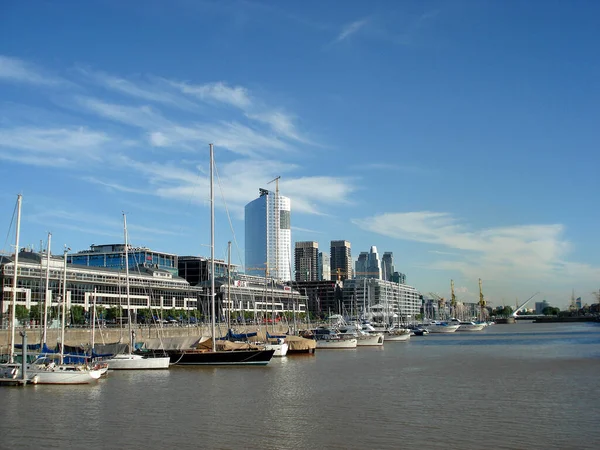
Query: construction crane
x,y
453,302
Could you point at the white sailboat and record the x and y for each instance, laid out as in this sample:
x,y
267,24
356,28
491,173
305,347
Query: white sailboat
x,y
130,360
47,368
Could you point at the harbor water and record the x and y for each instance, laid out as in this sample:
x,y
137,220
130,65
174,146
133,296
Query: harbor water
x,y
518,386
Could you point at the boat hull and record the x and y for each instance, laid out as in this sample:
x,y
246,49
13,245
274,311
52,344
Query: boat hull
x,y
397,337
138,362
280,349
372,340
220,358
471,327
336,343
442,328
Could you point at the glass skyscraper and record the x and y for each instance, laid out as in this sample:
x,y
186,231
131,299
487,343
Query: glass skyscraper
x,y
268,236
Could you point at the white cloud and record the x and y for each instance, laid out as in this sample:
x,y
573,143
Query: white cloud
x,y
138,116
280,123
351,29
237,96
51,146
17,70
524,251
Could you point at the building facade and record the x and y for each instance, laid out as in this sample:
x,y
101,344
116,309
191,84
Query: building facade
x,y
306,259
324,268
380,300
196,269
112,256
268,236
387,266
150,288
340,260
360,267
323,298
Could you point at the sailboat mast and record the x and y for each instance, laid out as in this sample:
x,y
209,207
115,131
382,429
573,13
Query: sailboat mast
x,y
64,305
127,283
13,310
212,250
229,304
93,323
45,324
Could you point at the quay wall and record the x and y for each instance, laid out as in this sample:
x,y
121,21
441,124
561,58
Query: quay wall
x,y
83,336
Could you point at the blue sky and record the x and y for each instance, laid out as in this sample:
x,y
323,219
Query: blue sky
x,y
463,136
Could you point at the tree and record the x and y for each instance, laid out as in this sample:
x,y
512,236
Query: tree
x,y
21,313
77,314
114,313
35,313
550,311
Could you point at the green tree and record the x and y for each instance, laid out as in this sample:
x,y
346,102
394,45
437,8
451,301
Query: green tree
x,y
35,313
550,311
77,315
114,313
21,313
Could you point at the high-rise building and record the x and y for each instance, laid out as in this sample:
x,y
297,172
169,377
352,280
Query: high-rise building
x,y
360,268
367,265
324,267
373,266
387,266
269,236
340,260
540,306
306,259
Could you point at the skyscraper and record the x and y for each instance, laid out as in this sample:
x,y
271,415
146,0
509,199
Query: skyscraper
x,y
360,268
373,265
306,259
340,260
324,269
268,236
387,265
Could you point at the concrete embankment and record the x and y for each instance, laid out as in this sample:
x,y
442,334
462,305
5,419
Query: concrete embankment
x,y
83,336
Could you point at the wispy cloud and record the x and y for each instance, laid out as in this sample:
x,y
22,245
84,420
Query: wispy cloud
x,y
115,186
350,29
151,89
51,146
19,71
526,251
259,138
219,92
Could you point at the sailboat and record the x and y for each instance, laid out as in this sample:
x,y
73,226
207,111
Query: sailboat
x,y
48,368
205,351
131,360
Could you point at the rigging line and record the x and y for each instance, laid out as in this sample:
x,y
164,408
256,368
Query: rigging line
x,y
237,247
9,229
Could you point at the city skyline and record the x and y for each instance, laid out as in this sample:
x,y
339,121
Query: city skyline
x,y
459,137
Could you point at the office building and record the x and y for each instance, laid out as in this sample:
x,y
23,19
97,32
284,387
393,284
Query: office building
x,y
150,287
306,259
324,267
387,266
112,256
360,267
340,260
268,236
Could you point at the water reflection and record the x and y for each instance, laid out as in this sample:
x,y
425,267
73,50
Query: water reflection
x,y
512,386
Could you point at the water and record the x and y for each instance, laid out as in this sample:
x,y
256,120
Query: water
x,y
519,386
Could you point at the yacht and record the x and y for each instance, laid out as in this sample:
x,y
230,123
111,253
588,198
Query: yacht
x,y
364,338
328,338
442,327
467,326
